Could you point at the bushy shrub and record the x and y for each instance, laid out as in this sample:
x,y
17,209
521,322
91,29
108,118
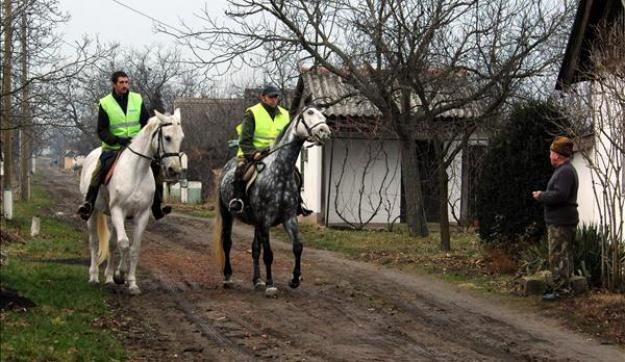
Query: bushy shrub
x,y
517,163
587,253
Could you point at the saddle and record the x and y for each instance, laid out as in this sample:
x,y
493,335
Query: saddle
x,y
251,172
254,168
111,168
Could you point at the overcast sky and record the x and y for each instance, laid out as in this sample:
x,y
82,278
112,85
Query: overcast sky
x,y
112,22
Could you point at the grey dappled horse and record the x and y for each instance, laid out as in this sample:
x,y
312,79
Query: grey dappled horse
x,y
272,199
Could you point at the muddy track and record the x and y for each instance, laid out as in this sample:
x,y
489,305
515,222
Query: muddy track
x,y
344,310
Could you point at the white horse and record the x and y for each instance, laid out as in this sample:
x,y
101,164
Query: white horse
x,y
128,195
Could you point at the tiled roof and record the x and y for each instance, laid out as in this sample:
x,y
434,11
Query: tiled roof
x,y
323,86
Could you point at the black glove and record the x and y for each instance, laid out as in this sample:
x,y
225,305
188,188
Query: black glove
x,y
124,141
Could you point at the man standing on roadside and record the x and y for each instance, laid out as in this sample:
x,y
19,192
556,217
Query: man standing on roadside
x,y
561,216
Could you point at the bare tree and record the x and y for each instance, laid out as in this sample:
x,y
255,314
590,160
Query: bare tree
x,y
402,55
597,111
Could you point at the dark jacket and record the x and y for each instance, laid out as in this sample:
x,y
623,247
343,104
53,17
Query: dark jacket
x,y
246,140
104,131
560,198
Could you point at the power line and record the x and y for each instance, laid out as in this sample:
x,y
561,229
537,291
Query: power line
x,y
147,16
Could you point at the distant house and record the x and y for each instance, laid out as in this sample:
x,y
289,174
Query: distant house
x,y
579,79
208,124
356,177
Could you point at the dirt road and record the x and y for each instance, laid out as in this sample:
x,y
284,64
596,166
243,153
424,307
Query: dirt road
x,y
343,311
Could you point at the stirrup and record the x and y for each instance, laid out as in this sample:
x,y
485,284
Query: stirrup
x,y
235,206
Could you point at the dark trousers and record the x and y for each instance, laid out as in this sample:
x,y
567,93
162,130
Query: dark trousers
x,y
104,164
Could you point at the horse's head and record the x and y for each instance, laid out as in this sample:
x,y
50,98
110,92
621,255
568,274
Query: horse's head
x,y
311,125
166,140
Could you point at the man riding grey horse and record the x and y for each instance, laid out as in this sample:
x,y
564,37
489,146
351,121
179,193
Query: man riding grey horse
x,y
121,116
261,125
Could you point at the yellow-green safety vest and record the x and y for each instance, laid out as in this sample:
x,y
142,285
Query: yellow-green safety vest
x,y
266,129
120,124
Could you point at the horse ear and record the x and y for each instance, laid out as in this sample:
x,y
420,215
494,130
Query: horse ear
x,y
160,116
177,113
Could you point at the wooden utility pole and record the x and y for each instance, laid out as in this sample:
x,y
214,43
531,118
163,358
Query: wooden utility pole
x,y
25,149
7,194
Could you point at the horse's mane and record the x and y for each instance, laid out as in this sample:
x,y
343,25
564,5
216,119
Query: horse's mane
x,y
283,132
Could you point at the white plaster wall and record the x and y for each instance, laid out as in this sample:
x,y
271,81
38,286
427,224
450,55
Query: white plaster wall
x,y
312,178
384,169
587,207
454,189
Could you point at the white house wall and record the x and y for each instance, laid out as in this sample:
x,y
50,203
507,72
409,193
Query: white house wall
x,y
312,187
380,183
454,189
608,120
587,207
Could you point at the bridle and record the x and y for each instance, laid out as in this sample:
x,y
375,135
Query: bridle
x,y
159,156
309,129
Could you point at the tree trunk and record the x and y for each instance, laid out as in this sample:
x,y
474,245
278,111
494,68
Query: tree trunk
x,y
7,141
411,179
443,179
25,149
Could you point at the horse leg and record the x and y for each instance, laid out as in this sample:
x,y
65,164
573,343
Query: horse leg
x,y
226,239
263,233
94,270
256,280
141,221
291,228
123,244
108,272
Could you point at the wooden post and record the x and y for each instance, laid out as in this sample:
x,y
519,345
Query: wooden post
x,y
25,149
6,113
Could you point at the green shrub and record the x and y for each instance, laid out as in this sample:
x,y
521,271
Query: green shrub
x,y
587,253
517,163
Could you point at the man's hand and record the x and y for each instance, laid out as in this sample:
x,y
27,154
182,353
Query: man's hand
x,y
124,141
257,156
536,194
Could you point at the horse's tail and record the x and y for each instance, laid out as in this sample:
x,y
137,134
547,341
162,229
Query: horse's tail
x,y
104,235
218,236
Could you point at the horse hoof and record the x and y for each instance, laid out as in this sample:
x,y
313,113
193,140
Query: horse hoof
x,y
111,287
119,278
271,292
227,283
134,291
94,281
259,284
294,283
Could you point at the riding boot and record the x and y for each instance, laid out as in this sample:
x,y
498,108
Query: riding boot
x,y
86,208
157,211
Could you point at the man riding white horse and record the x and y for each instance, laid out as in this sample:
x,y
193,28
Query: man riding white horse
x,y
261,125
121,116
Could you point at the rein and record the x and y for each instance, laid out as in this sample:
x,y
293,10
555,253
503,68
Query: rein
x,y
159,157
300,118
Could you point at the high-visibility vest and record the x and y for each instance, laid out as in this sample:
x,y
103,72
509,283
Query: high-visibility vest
x,y
120,123
266,129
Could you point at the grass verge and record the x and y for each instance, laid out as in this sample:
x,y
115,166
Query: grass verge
x,y
472,266
49,271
